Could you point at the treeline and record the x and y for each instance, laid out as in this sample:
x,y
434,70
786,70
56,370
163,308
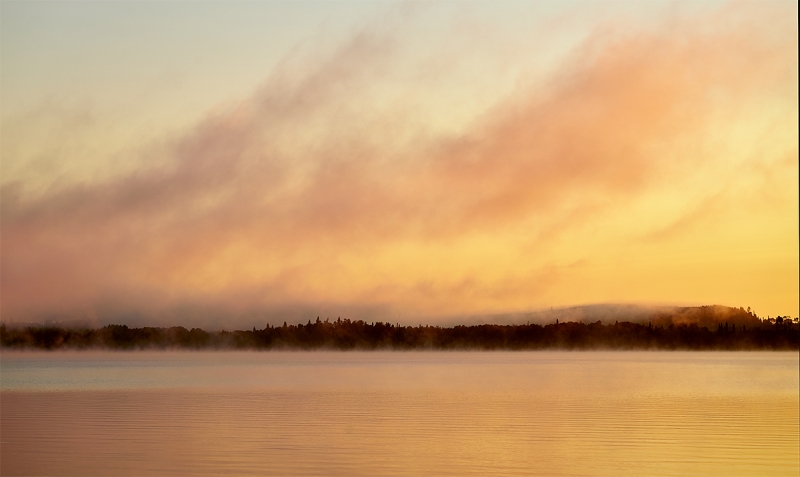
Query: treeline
x,y
360,335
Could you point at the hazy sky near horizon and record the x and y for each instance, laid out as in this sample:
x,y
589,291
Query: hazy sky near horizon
x,y
219,163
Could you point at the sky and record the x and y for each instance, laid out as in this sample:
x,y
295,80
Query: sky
x,y
225,164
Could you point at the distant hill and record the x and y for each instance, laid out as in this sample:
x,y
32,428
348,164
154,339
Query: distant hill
x,y
703,316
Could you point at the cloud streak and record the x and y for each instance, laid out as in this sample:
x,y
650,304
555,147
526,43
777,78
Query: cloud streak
x,y
322,191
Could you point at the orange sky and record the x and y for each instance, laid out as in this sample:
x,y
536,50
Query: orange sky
x,y
409,163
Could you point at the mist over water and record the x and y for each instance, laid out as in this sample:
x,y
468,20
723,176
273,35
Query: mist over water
x,y
400,413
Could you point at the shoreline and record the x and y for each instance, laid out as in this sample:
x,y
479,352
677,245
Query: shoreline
x,y
344,335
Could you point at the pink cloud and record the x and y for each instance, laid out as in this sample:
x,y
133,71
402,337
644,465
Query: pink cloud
x,y
599,131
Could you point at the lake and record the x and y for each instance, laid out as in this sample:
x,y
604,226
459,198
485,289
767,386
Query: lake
x,y
400,413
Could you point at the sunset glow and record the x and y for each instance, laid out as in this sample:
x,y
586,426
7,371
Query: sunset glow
x,y
218,164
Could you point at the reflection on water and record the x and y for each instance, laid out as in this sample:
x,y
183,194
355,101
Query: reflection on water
x,y
415,413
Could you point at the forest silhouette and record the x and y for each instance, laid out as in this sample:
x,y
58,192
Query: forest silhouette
x,y
741,330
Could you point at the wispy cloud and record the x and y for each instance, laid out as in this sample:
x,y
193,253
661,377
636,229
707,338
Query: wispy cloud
x,y
322,191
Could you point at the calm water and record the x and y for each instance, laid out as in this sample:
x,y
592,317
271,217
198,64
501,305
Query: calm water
x,y
401,413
